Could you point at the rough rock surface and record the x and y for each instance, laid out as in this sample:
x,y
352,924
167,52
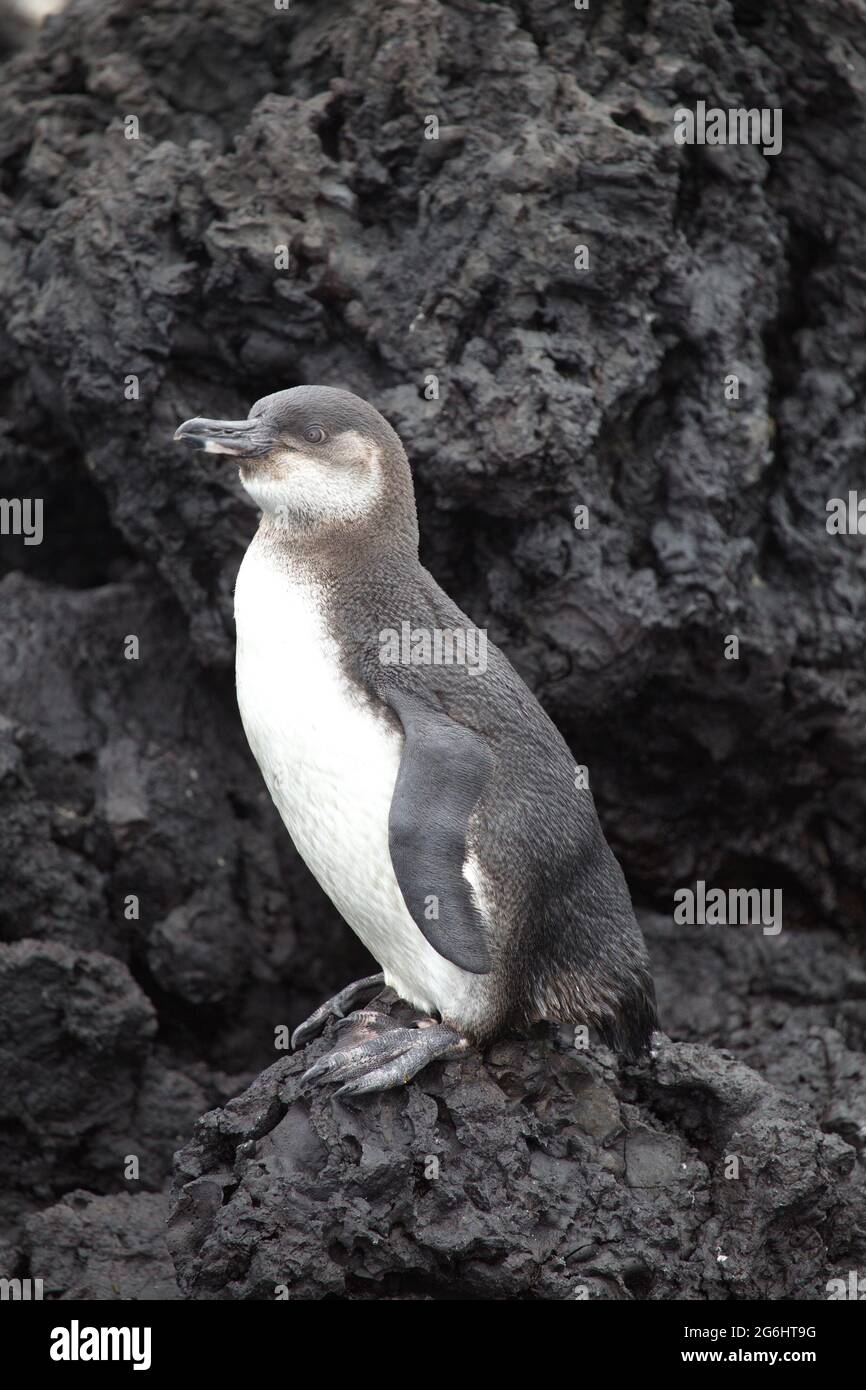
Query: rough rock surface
x,y
153,258
104,1248
532,1174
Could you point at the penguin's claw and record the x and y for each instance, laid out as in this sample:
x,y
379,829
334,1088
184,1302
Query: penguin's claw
x,y
366,1021
389,1059
343,1064
337,1007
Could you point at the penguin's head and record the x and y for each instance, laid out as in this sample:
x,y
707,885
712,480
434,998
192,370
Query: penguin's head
x,y
317,461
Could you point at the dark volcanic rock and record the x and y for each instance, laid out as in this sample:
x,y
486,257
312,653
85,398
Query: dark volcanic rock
x,y
793,1007
84,1086
16,31
532,1174
138,286
105,1248
74,1031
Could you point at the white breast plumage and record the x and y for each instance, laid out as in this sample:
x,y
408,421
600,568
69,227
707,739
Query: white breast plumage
x,y
330,762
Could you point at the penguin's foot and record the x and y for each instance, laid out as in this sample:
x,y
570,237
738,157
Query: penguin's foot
x,y
385,1058
337,1007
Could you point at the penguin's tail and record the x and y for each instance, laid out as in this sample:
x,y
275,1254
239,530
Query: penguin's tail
x,y
629,1031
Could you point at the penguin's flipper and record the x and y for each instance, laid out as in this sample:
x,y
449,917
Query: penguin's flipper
x,y
443,771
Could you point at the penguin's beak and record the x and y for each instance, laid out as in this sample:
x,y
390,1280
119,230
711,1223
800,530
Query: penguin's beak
x,y
248,438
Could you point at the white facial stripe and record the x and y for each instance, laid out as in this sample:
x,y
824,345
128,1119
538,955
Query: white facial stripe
x,y
311,490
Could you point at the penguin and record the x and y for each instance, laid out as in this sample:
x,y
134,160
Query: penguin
x,y
433,799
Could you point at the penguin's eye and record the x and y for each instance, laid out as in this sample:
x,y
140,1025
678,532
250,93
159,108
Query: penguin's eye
x,y
315,434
